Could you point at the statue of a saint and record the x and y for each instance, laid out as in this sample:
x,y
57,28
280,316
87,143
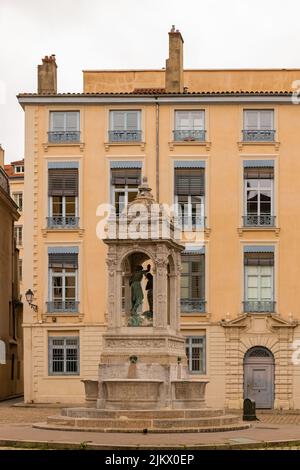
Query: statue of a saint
x,y
137,295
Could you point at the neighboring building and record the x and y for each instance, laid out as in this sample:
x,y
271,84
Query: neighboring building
x,y
223,144
15,172
11,347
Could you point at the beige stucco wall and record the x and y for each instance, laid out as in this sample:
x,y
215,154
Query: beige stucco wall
x,y
125,81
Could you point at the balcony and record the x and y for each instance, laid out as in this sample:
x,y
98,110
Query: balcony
x,y
262,220
189,135
125,136
259,135
192,306
63,137
4,184
59,222
259,306
63,306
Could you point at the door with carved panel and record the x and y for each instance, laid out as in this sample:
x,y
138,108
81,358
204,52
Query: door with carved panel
x,y
259,377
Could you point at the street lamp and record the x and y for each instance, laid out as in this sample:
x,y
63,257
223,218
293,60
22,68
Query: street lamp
x,y
29,297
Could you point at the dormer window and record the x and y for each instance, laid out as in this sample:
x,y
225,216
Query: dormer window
x,y
19,168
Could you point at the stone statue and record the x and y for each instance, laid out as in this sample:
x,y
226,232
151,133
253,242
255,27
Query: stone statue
x,y
149,289
137,295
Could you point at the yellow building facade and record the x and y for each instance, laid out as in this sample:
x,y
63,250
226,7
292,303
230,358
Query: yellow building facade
x,y
15,172
11,347
222,145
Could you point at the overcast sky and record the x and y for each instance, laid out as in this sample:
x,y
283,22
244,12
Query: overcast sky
x,y
101,34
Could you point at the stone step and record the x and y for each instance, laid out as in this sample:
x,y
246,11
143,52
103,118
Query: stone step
x,y
135,423
222,428
141,414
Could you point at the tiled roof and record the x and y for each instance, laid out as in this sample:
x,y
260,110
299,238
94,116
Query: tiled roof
x,y
10,170
150,91
161,91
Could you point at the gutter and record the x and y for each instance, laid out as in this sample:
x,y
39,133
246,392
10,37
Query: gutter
x,y
157,149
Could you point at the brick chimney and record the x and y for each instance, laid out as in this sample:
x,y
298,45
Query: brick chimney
x,y
47,75
174,64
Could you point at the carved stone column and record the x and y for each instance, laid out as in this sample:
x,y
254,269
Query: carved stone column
x,y
160,292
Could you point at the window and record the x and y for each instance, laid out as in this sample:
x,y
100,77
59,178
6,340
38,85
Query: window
x,y
20,270
259,284
64,355
125,126
64,126
189,197
19,168
18,198
2,352
124,184
259,188
63,274
189,125
193,283
63,197
259,125
19,235
196,354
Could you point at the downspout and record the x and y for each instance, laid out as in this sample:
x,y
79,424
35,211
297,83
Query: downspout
x,y
157,149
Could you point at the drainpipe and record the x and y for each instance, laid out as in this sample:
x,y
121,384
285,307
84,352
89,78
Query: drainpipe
x,y
157,148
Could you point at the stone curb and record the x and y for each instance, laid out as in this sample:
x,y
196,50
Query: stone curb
x,y
139,431
45,445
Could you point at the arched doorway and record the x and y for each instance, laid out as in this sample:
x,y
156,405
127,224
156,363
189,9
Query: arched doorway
x,y
259,367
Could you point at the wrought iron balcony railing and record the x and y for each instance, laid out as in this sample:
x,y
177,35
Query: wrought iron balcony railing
x,y
125,136
62,222
192,305
61,137
189,135
262,220
62,306
4,182
266,135
259,306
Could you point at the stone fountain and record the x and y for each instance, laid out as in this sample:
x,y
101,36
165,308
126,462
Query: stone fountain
x,y
144,381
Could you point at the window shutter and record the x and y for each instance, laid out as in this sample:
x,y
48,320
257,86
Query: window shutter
x,y
63,260
58,122
132,123
259,173
126,176
259,259
72,121
189,182
63,182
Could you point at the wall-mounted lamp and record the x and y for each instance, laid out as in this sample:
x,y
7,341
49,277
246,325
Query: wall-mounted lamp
x,y
29,298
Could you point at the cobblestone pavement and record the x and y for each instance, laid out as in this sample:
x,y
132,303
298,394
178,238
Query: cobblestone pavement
x,y
16,425
10,414
274,418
